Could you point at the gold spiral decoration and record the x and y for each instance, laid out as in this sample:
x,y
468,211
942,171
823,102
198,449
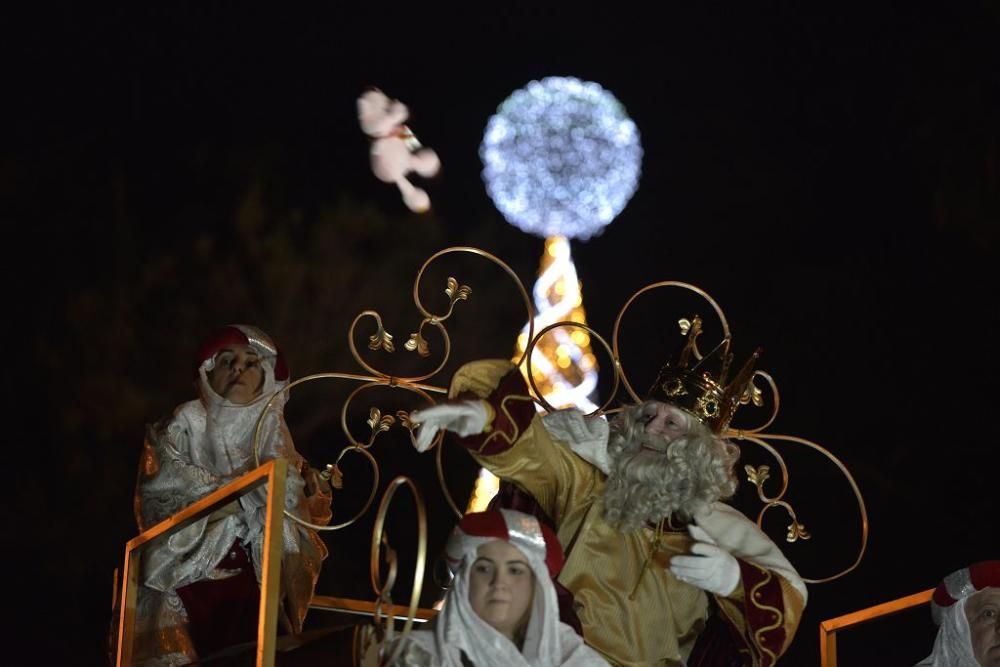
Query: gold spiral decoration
x,y
383,340
454,295
379,538
539,398
618,320
355,445
796,530
776,405
439,466
757,476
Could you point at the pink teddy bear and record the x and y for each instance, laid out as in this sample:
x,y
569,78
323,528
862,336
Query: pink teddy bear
x,y
395,152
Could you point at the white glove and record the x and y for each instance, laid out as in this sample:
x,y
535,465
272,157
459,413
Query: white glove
x,y
711,569
463,417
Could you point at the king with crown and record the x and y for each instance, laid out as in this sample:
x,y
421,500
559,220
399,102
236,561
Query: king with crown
x,y
658,570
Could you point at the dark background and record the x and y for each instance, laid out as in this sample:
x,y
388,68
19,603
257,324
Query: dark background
x,y
827,173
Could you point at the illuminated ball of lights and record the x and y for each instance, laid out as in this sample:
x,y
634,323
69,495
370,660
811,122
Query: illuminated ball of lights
x,y
561,158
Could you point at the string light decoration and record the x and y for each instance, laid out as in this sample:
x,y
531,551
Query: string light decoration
x,y
561,160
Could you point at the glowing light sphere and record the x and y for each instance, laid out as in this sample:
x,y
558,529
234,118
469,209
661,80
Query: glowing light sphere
x,y
561,158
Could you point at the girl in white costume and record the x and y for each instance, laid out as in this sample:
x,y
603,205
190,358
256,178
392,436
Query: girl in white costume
x,y
501,609
200,584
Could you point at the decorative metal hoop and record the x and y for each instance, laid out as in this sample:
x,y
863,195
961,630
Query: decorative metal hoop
x,y
382,592
739,433
618,320
386,381
439,465
569,323
371,494
435,319
777,500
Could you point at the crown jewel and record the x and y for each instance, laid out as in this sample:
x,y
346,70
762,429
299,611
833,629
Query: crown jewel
x,y
687,381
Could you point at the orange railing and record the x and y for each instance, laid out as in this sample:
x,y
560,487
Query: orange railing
x,y
828,629
272,474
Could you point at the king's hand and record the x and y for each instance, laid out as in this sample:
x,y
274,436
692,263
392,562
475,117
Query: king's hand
x,y
461,417
711,568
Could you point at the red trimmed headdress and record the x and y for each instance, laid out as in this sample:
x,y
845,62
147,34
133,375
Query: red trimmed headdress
x,y
964,583
521,530
243,334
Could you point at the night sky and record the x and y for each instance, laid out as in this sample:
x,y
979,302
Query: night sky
x,y
829,175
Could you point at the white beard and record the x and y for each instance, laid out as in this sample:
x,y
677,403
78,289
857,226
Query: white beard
x,y
642,486
681,477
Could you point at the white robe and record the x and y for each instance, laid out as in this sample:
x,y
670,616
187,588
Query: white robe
x,y
204,446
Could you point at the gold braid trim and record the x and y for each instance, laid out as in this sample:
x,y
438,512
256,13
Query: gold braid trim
x,y
737,617
491,416
779,616
508,440
653,548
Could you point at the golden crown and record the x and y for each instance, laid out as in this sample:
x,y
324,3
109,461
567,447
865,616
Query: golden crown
x,y
688,382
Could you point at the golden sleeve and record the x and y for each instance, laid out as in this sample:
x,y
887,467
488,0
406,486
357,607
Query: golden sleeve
x,y
515,446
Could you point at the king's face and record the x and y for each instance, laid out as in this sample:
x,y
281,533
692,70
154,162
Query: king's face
x,y
667,421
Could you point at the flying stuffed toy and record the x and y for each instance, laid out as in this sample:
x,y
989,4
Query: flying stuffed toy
x,y
395,152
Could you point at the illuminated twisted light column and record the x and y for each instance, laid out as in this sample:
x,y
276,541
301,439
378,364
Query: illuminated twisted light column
x,y
561,160
563,365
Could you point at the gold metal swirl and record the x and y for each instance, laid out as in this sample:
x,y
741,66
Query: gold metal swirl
x,y
618,320
797,530
440,475
376,422
417,343
383,593
378,538
416,339
754,398
456,292
371,494
420,389
287,388
537,395
382,339
757,477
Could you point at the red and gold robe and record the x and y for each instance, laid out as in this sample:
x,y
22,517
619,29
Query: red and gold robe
x,y
632,609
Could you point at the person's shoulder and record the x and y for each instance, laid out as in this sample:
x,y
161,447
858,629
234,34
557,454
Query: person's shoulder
x,y
189,408
585,437
479,377
187,418
191,413
721,517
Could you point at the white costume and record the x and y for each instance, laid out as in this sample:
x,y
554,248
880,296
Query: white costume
x,y
205,445
459,637
953,645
